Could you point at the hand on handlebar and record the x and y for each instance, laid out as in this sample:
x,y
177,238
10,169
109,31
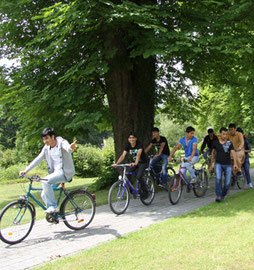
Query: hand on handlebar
x,y
22,173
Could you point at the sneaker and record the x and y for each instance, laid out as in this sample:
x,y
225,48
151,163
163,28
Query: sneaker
x,y
51,210
218,199
163,186
193,181
250,185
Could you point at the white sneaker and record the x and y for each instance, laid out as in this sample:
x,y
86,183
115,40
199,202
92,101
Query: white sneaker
x,y
51,210
193,181
250,185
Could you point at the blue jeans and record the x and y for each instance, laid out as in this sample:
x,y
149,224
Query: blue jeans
x,y
188,166
246,166
48,195
219,169
164,159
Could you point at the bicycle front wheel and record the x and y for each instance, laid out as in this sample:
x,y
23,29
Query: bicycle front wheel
x,y
78,209
171,175
241,180
16,222
201,184
150,188
119,197
175,190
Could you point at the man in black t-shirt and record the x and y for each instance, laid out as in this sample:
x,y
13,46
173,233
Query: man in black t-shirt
x,y
161,144
208,141
223,148
138,161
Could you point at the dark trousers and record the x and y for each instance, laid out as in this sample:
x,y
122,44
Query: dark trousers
x,y
139,169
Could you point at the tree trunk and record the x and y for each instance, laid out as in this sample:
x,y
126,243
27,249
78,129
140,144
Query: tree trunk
x,y
131,90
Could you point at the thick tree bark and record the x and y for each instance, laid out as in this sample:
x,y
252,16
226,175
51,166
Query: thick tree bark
x,y
131,91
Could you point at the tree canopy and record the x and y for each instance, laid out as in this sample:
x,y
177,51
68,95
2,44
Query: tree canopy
x,y
81,61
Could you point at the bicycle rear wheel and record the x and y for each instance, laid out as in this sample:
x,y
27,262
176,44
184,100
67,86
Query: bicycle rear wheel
x,y
201,184
119,197
175,190
78,209
150,187
16,222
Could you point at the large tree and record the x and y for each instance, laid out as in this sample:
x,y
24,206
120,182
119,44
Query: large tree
x,y
86,61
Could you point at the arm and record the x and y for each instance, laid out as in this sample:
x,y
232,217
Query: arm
x,y
203,145
161,149
35,162
234,158
241,142
121,158
178,145
148,147
193,152
69,147
212,160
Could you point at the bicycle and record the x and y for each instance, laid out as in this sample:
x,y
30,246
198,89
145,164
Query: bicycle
x,y
176,185
157,176
240,180
119,193
17,218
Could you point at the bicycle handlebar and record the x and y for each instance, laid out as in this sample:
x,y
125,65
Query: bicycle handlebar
x,y
33,178
121,165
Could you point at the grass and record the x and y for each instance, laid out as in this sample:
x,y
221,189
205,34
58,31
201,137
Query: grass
x,y
11,192
217,236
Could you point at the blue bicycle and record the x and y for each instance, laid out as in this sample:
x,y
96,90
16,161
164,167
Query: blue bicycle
x,y
17,218
120,191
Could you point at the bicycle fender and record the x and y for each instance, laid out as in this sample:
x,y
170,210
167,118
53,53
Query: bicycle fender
x,y
24,201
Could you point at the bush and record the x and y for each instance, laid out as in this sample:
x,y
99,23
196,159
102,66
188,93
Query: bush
x,y
108,174
88,161
11,173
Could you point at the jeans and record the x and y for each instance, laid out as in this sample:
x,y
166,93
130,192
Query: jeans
x,y
164,159
246,166
219,169
188,166
48,195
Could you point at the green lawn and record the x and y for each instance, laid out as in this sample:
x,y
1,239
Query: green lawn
x,y
11,192
217,236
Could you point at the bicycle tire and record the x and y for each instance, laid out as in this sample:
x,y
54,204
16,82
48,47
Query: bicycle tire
x,y
119,193
16,222
151,191
201,184
175,190
241,180
171,175
78,209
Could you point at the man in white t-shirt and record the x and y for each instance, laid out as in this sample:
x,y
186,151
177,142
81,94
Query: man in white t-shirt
x,y
57,152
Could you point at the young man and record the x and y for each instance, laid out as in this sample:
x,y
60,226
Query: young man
x,y
189,143
161,144
138,160
223,148
208,141
57,153
246,163
238,142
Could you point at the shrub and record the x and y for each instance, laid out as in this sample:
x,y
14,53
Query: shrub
x,y
88,161
108,174
11,173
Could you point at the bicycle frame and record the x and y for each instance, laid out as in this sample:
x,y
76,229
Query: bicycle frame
x,y
126,181
61,189
187,182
